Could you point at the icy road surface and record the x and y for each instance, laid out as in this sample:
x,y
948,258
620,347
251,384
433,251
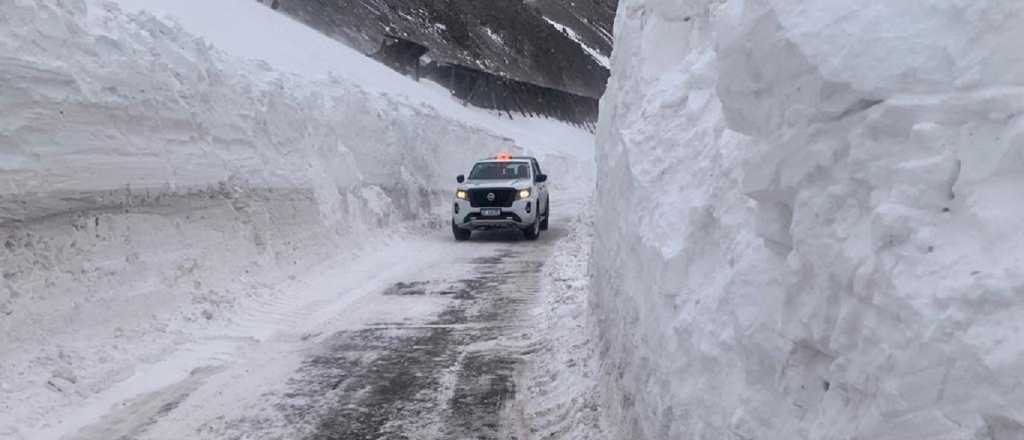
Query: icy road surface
x,y
429,350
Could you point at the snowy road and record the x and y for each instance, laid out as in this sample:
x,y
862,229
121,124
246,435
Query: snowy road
x,y
449,375
426,345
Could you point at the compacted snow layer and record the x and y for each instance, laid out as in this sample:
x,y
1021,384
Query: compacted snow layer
x,y
809,220
154,190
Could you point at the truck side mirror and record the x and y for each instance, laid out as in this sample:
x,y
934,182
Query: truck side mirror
x,y
461,178
541,178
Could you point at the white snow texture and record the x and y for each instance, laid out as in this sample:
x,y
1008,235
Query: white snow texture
x,y
827,234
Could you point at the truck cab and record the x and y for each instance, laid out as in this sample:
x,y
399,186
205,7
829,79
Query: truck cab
x,y
503,192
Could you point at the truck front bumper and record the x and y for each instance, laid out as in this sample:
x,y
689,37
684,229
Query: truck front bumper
x,y
520,215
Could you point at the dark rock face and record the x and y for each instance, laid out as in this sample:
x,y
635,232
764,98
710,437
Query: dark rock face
x,y
490,91
508,38
592,20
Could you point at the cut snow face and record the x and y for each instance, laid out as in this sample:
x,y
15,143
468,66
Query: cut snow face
x,y
828,246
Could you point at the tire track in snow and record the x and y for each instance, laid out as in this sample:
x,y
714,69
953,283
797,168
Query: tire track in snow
x,y
448,378
435,355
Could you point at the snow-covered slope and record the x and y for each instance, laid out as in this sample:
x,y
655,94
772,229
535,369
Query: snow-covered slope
x,y
828,238
249,31
154,184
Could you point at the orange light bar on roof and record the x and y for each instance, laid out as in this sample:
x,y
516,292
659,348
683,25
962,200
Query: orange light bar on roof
x,y
504,156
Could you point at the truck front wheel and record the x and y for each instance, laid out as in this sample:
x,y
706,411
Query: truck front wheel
x,y
532,232
459,233
547,214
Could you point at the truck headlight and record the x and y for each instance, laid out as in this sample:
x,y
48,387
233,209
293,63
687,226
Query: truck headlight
x,y
524,194
460,194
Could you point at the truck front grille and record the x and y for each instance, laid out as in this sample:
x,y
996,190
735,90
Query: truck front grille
x,y
503,197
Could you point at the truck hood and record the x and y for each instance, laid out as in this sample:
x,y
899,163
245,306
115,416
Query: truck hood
x,y
511,183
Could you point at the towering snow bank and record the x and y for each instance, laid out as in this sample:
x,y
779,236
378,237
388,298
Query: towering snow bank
x,y
151,184
810,223
132,103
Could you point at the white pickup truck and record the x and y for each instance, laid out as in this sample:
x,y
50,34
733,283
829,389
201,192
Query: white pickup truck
x,y
503,192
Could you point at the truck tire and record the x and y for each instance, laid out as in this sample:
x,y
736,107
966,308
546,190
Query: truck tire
x,y
547,214
459,233
532,232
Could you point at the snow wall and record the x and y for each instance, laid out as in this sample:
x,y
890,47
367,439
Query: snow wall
x,y
824,229
141,172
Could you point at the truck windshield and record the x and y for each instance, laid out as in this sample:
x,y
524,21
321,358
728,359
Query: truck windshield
x,y
500,171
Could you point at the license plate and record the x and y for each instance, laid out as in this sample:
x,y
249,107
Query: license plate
x,y
492,212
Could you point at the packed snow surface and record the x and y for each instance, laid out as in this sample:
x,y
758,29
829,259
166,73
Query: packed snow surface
x,y
827,234
174,178
558,395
